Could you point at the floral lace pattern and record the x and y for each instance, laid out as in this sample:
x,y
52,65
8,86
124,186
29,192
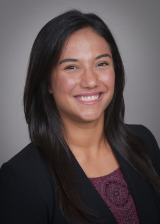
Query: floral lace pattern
x,y
115,191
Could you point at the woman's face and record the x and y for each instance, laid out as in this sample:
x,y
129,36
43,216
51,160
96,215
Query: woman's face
x,y
83,81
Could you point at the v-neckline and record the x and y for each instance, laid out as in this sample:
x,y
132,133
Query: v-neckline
x,y
90,196
107,175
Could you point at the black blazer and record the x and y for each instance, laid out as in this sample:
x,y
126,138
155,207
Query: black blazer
x,y
28,193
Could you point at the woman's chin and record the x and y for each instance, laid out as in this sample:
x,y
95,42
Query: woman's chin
x,y
90,117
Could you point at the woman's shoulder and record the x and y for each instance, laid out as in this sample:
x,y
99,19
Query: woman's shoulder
x,y
26,178
30,161
28,158
144,133
150,142
139,129
28,152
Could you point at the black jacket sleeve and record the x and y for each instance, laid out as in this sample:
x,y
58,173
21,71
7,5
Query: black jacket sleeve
x,y
155,152
20,201
150,143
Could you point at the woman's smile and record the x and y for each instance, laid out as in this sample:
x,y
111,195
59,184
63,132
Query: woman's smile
x,y
82,83
89,98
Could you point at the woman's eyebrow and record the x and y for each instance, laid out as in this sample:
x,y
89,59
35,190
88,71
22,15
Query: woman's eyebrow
x,y
72,59
67,60
103,55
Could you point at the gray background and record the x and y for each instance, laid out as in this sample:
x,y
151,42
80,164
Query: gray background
x,y
136,27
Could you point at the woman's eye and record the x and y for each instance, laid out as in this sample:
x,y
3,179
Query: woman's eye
x,y
70,67
103,64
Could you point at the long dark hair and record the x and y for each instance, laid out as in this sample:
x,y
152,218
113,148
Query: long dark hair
x,y
44,122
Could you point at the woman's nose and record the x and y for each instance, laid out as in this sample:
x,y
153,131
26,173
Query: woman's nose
x,y
89,79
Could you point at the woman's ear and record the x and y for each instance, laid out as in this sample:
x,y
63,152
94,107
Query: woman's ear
x,y
50,91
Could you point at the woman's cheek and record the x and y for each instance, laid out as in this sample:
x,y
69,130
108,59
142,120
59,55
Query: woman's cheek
x,y
108,78
66,83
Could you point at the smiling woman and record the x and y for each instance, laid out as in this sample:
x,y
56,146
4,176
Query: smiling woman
x,y
84,164
82,83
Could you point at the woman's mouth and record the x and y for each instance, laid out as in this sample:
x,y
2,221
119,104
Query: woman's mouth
x,y
89,98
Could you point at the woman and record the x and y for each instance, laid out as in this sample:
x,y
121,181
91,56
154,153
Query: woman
x,y
84,165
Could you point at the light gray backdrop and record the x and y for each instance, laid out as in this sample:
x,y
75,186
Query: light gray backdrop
x,y
136,27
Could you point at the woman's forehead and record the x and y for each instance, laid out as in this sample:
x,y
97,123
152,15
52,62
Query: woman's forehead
x,y
84,41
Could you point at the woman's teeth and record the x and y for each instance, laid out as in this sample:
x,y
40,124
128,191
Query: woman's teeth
x,y
89,98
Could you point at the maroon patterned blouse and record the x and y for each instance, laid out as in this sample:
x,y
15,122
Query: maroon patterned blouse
x,y
115,191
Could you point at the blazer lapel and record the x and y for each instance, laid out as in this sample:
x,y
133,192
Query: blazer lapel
x,y
141,191
90,196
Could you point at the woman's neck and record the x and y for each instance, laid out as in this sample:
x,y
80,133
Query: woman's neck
x,y
90,147
85,139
